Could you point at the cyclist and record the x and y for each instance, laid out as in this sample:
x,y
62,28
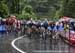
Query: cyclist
x,y
45,23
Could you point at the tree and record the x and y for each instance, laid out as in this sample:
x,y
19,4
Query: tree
x,y
3,9
58,12
69,8
28,12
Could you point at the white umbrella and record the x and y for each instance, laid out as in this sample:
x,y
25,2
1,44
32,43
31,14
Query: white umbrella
x,y
72,20
64,19
60,20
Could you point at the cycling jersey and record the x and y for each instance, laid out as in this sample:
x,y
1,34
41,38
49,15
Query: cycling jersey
x,y
52,27
59,27
49,28
38,24
30,23
45,25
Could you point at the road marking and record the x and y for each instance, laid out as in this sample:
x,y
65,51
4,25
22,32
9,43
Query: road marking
x,y
15,47
58,51
21,51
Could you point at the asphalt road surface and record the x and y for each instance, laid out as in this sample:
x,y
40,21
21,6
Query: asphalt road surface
x,y
43,46
5,42
33,45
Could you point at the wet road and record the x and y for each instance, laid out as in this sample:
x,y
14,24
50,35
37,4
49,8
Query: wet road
x,y
43,46
33,45
5,42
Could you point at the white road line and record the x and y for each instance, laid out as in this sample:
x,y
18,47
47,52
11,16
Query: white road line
x,y
21,51
15,47
50,51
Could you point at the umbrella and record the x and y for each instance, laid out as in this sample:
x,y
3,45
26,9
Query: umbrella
x,y
60,20
72,20
63,19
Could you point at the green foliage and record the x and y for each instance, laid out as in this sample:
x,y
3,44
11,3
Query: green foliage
x,y
3,10
69,8
58,14
28,9
28,12
43,8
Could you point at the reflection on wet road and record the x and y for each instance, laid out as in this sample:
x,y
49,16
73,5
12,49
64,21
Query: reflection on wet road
x,y
43,46
33,45
5,42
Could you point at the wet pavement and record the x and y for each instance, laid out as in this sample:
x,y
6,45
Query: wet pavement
x,y
43,46
33,45
5,42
